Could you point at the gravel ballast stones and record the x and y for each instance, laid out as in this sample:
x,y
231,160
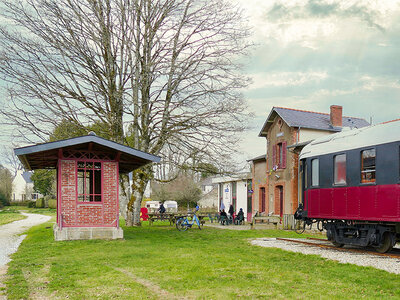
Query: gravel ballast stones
x,y
388,264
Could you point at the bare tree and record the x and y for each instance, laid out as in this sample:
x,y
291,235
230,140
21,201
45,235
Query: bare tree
x,y
5,185
162,75
11,160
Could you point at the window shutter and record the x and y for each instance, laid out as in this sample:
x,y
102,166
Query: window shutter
x,y
273,155
284,151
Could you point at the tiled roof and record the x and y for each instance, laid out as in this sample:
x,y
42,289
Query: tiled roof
x,y
309,119
27,177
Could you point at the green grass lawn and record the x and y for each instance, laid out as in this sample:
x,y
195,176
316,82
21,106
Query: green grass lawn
x,y
160,262
8,215
32,210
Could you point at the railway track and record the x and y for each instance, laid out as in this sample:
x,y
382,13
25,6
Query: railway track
x,y
324,243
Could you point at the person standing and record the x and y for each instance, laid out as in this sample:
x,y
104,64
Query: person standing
x,y
231,210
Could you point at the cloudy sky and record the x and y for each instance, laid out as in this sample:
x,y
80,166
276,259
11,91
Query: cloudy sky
x,y
312,54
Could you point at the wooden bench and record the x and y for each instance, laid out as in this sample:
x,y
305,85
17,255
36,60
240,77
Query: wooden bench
x,y
265,219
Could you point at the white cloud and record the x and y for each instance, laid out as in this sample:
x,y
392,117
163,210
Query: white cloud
x,y
276,79
372,83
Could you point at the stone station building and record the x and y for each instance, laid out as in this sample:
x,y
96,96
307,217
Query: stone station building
x,y
287,131
88,169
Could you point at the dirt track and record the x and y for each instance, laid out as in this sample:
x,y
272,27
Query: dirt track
x,y
10,239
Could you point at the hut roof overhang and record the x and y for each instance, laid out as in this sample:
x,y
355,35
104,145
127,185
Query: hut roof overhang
x,y
45,156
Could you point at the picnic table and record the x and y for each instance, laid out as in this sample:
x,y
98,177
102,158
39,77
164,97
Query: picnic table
x,y
172,217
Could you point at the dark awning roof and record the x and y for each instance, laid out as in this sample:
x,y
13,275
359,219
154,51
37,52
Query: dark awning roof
x,y
260,157
298,147
45,156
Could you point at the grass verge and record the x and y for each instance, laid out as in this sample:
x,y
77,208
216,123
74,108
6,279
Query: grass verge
x,y
8,215
33,210
160,262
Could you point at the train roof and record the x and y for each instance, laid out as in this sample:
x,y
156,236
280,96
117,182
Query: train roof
x,y
353,139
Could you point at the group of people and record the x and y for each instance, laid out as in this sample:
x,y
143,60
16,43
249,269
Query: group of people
x,y
238,218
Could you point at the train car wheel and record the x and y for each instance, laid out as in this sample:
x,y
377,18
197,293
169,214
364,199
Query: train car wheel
x,y
387,243
336,244
299,226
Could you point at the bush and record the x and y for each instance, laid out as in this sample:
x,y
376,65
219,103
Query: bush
x,y
40,203
3,200
23,203
52,203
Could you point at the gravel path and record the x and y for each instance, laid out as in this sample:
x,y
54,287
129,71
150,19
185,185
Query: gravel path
x,y
10,239
388,264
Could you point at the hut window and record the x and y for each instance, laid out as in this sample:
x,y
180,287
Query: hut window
x,y
368,165
89,181
340,169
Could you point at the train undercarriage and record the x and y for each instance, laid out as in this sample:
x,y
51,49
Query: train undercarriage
x,y
382,236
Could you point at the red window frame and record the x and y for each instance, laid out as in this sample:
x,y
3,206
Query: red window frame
x,y
92,174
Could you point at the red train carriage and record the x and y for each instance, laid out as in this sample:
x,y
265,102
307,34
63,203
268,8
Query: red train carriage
x,y
350,185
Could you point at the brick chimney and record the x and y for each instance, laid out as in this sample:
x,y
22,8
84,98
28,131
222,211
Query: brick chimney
x,y
336,115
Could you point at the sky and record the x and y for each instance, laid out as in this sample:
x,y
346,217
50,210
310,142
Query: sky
x,y
313,54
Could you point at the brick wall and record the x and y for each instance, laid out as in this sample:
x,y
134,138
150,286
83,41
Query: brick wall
x,y
110,192
89,214
68,192
280,132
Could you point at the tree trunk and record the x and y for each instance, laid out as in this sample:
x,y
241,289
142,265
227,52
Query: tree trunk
x,y
140,178
129,218
136,209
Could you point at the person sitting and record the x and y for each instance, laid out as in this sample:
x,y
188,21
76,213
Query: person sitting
x,y
161,210
224,217
240,217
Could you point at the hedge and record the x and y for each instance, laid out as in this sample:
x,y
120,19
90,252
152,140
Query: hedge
x,y
52,203
40,203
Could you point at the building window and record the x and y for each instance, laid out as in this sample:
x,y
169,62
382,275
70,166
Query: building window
x,y
340,169
368,166
315,172
279,155
89,181
234,195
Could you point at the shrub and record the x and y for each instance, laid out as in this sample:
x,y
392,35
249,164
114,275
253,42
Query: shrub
x,y
21,203
3,200
40,203
31,204
52,203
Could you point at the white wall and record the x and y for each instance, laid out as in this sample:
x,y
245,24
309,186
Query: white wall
x,y
311,134
241,195
19,187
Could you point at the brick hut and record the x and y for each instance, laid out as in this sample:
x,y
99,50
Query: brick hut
x,y
88,169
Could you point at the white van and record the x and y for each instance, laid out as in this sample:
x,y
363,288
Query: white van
x,y
152,206
171,206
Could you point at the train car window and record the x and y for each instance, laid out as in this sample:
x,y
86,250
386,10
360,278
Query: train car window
x,y
315,172
305,175
368,166
340,169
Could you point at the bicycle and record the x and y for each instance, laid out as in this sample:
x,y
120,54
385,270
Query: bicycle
x,y
183,223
